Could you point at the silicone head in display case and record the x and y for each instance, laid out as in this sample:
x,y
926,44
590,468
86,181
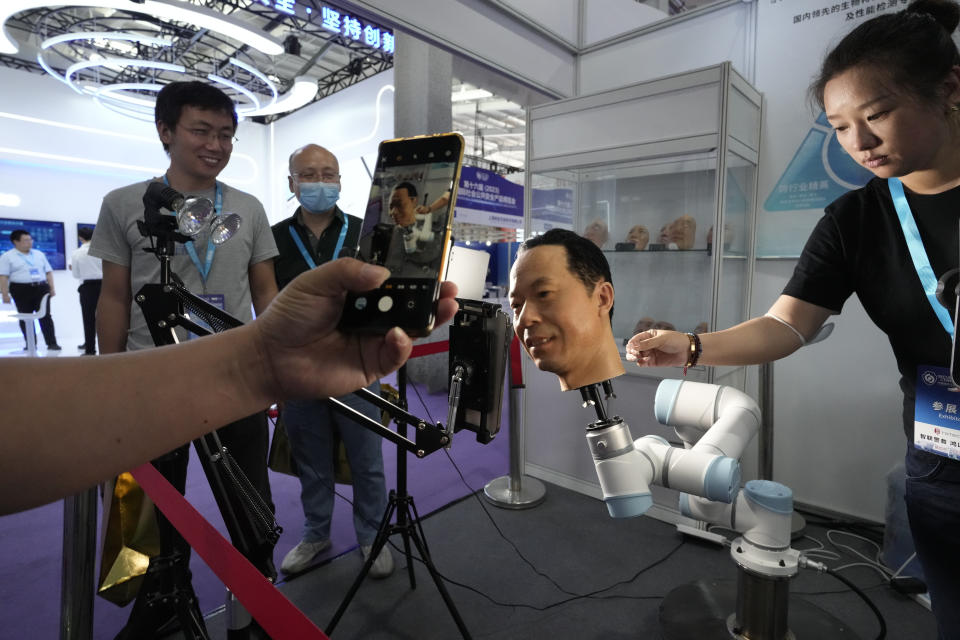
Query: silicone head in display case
x,y
679,234
597,232
639,235
563,316
663,324
643,324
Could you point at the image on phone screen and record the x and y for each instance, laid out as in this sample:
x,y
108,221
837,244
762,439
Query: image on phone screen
x,y
406,228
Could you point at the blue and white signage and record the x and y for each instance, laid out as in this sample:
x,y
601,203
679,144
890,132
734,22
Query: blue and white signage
x,y
936,427
819,173
489,199
336,21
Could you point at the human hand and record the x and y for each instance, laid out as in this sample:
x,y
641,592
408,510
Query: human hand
x,y
305,355
422,209
6,298
658,348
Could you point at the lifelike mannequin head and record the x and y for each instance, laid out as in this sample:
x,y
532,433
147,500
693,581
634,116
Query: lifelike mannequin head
x,y
639,236
562,299
597,233
681,232
643,324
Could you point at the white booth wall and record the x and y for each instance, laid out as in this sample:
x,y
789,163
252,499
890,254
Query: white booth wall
x,y
60,153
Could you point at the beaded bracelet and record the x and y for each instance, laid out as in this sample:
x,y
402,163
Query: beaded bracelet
x,y
693,355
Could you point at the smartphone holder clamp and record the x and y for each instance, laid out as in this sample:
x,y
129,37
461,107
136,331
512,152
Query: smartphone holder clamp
x,y
428,438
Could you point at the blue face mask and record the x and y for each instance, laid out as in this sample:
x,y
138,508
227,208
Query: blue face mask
x,y
318,197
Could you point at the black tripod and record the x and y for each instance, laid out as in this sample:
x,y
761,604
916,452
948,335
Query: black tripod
x,y
400,503
167,592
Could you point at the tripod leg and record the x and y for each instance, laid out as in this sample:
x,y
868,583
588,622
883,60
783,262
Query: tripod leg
x,y
383,534
437,580
403,526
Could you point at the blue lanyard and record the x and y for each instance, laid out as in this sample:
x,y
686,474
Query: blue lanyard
x,y
306,254
24,256
204,269
920,260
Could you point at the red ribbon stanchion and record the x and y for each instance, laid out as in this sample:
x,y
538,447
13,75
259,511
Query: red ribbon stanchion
x,y
277,615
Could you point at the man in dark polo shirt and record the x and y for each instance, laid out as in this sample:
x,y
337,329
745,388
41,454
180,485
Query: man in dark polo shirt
x,y
318,232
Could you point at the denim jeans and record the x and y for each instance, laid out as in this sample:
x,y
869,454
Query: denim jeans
x,y
310,426
933,509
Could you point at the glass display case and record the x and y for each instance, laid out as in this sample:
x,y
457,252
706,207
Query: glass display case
x,y
662,177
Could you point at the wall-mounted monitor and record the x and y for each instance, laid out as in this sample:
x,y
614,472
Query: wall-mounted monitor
x,y
84,225
47,237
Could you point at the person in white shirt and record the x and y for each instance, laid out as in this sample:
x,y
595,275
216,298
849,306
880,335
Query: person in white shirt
x,y
89,271
26,275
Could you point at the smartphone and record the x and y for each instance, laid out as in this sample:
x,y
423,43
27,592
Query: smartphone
x,y
406,228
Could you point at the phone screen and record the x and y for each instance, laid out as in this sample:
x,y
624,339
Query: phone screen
x,y
406,228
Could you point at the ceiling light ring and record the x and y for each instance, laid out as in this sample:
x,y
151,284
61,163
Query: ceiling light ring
x,y
106,35
162,9
238,88
120,62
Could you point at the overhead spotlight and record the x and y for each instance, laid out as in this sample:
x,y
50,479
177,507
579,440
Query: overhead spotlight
x,y
291,45
355,66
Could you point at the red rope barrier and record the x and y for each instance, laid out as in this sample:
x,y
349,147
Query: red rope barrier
x,y
277,615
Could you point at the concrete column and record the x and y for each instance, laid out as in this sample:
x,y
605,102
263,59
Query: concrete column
x,y
423,77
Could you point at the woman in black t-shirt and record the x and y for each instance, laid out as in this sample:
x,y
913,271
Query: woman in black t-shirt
x,y
891,91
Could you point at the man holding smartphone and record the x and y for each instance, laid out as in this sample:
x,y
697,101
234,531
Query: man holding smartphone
x,y
316,233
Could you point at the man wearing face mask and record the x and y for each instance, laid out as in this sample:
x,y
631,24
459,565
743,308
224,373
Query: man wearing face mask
x,y
318,232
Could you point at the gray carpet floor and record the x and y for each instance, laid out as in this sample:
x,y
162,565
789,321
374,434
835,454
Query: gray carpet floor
x,y
584,575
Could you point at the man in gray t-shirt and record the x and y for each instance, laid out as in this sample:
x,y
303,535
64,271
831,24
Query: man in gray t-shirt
x,y
196,124
231,279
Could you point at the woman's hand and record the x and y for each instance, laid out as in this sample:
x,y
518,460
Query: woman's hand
x,y
658,348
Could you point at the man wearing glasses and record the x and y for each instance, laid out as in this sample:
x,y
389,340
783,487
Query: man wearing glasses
x,y
196,123
316,233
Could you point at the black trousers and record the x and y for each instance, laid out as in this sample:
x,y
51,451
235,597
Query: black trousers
x,y
89,295
27,299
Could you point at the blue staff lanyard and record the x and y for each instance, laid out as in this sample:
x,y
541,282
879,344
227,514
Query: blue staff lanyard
x,y
306,254
27,260
919,255
204,269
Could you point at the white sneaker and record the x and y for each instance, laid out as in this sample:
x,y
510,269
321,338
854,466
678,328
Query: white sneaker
x,y
383,565
300,556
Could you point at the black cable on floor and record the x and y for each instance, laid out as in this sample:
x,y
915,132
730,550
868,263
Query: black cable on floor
x,y
574,595
863,596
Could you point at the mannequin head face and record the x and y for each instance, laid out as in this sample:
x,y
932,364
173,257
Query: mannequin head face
x,y
639,236
403,204
562,316
680,232
643,324
597,233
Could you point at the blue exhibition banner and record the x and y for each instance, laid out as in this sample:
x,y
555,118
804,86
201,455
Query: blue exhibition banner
x,y
487,198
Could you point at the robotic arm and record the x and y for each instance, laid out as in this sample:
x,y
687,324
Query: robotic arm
x,y
716,424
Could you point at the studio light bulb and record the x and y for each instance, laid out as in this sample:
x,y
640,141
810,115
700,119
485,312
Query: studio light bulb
x,y
194,214
223,227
